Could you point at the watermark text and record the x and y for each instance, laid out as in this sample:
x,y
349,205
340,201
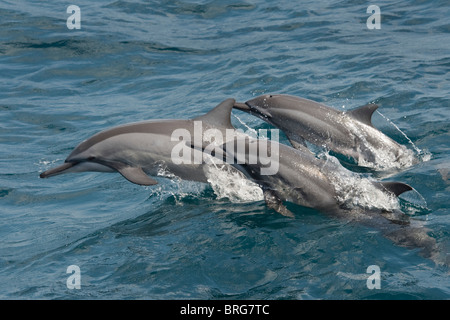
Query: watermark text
x,y
374,21
374,280
74,280
232,147
74,20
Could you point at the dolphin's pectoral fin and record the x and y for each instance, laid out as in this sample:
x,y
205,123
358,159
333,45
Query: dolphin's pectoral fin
x,y
275,203
396,188
364,113
299,143
136,175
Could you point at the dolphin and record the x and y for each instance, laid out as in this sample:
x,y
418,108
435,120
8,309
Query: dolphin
x,y
140,149
301,177
324,184
350,133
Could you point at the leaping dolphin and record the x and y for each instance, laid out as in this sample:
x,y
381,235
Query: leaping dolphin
x,y
138,149
325,185
348,133
301,177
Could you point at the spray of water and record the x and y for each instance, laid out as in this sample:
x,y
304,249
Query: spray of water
x,y
248,129
356,190
232,184
424,156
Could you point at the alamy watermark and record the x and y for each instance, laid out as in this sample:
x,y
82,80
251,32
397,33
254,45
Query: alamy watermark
x,y
233,147
74,280
374,21
74,20
374,280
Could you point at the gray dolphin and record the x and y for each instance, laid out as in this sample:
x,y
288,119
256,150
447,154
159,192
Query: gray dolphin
x,y
348,133
324,184
301,177
138,149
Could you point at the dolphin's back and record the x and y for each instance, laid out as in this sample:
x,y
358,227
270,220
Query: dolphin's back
x,y
163,127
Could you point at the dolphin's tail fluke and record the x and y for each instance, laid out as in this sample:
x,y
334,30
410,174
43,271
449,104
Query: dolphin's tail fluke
x,y
58,170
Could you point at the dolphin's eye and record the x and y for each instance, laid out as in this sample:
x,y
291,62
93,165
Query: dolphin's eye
x,y
91,158
271,96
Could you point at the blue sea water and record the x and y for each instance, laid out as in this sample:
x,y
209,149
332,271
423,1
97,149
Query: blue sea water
x,y
138,60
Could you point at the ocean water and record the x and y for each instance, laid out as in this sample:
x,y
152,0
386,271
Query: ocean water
x,y
139,60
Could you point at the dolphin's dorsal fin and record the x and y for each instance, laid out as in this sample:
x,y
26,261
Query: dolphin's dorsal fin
x,y
364,113
396,188
219,116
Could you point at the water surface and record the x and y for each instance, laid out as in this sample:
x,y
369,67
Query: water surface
x,y
138,60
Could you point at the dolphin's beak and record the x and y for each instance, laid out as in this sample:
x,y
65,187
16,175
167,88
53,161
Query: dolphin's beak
x,y
58,170
249,107
258,110
242,106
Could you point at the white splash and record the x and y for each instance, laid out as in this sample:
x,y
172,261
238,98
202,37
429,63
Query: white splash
x,y
45,164
424,155
356,190
162,171
232,184
252,132
390,156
